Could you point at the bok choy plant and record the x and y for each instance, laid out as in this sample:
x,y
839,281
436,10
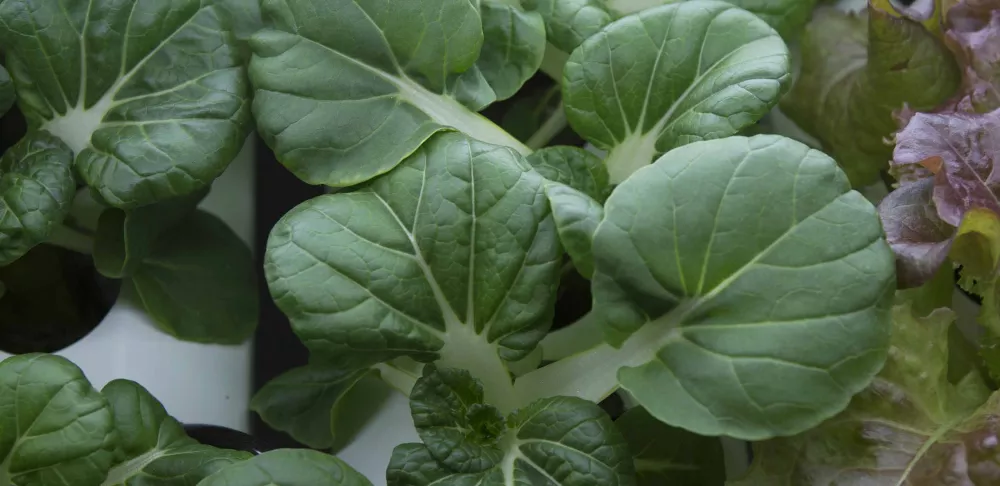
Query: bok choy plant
x,y
677,251
133,108
58,429
739,286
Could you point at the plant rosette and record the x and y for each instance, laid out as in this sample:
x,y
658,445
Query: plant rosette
x,y
133,110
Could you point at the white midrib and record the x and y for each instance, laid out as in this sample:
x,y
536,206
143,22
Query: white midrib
x,y
443,110
78,124
127,469
462,347
637,149
593,374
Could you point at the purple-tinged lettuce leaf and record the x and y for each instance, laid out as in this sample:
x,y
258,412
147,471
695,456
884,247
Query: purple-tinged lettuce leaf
x,y
918,237
856,71
973,33
952,210
960,150
910,427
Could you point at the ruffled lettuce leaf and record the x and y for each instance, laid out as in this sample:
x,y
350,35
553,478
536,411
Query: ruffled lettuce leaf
x,y
910,426
973,34
857,69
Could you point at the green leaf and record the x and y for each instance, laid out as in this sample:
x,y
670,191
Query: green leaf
x,y
199,282
574,167
555,441
451,256
124,238
53,424
672,75
243,16
460,431
513,46
7,94
304,402
569,22
667,455
910,426
288,467
36,190
728,310
151,96
576,216
856,71
153,448
788,17
380,76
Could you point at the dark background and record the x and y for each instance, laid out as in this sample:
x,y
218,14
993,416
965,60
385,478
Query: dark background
x,y
276,349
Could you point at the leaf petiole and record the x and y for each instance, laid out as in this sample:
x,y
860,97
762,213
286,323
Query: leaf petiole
x,y
73,239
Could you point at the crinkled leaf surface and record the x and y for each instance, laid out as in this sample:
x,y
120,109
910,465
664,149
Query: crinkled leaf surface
x,y
857,69
554,441
667,455
451,256
786,16
574,167
53,424
304,402
124,238
672,75
7,94
150,95
153,449
569,22
379,76
460,431
288,467
576,216
911,426
961,151
956,153
917,235
198,282
36,190
752,300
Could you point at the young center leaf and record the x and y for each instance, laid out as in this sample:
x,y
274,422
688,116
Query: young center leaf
x,y
857,69
152,447
36,190
53,424
555,441
672,75
452,256
931,431
150,95
288,467
735,315
378,86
